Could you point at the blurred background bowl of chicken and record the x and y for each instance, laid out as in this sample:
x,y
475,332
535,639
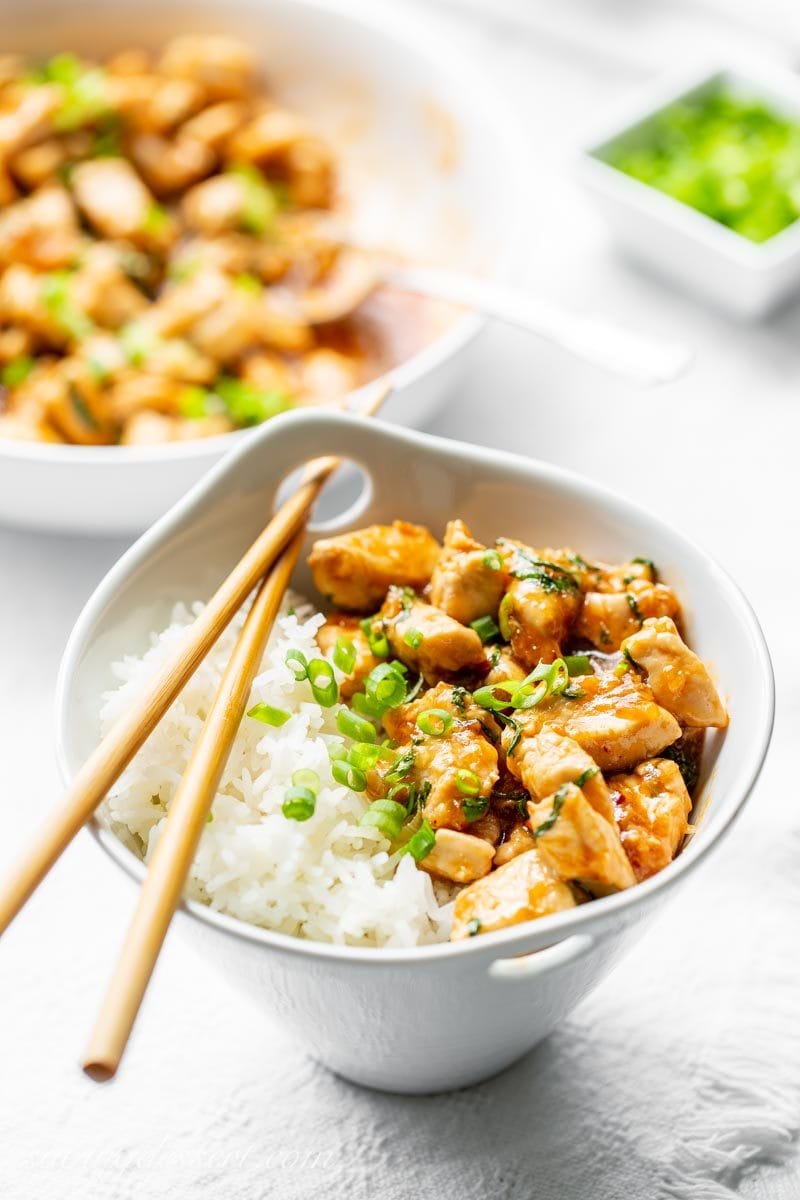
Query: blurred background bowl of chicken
x,y
424,164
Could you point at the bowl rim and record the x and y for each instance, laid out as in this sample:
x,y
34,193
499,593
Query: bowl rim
x,y
447,60
545,930
767,79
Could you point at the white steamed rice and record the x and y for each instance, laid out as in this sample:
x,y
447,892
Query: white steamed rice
x,y
326,878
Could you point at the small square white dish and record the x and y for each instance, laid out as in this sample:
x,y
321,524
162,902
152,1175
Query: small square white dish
x,y
746,279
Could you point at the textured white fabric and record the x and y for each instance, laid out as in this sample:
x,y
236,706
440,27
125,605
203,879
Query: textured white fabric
x,y
680,1076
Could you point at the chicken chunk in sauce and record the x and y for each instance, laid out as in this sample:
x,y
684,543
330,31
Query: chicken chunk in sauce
x,y
527,762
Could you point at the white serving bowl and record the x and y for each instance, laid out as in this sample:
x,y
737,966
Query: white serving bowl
x,y
439,1016
431,167
744,278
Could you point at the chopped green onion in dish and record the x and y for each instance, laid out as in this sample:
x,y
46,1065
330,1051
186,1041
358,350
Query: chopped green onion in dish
x,y
324,687
354,726
733,158
348,775
413,638
421,843
269,715
485,628
578,664
467,782
299,803
387,816
297,663
435,722
344,655
492,560
17,371
306,778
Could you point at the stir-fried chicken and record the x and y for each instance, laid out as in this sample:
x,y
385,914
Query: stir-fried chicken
x,y
652,809
679,679
526,769
355,570
523,889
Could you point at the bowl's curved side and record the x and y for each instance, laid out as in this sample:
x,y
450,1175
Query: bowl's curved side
x,y
118,489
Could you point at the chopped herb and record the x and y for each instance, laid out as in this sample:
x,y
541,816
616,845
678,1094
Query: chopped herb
x,y
387,816
403,765
485,628
504,616
156,220
549,822
57,298
578,664
458,697
492,560
138,343
634,607
299,803
193,403
646,562
81,408
324,687
549,576
467,782
586,775
515,725
413,638
353,726
249,283
344,655
474,926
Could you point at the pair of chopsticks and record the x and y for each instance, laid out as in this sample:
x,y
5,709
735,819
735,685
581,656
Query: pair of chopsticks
x,y
268,563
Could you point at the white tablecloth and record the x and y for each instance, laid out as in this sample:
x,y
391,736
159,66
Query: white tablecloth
x,y
680,1076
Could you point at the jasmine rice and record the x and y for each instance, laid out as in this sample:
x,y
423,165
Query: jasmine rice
x,y
325,878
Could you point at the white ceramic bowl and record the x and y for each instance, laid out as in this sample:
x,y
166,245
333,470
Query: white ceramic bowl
x,y
479,1004
431,163
745,279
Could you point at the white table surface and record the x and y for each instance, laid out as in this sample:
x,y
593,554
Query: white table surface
x,y
215,1102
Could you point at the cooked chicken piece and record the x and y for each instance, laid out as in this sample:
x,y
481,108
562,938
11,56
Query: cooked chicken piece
x,y
521,890
171,164
128,62
215,124
468,580
41,232
135,392
219,205
503,665
224,66
30,118
356,569
171,102
229,330
202,427
176,358
352,277
615,720
39,164
652,806
458,857
544,762
75,404
15,343
338,625
581,845
607,618
182,304
102,290
326,376
270,372
539,606
401,723
118,205
8,189
281,328
148,429
17,429
427,639
282,140
24,302
519,841
680,681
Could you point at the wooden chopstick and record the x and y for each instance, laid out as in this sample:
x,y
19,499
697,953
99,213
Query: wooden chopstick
x,y
108,760
178,839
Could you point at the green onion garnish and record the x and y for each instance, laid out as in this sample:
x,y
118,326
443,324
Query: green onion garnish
x,y
378,642
56,295
306,778
495,696
17,371
247,404
436,722
364,755
485,628
355,727
578,664
506,604
260,203
299,803
586,775
474,926
387,816
467,782
473,807
297,663
414,638
385,687
403,764
193,403
420,845
323,683
344,655
348,775
492,560
547,679
269,715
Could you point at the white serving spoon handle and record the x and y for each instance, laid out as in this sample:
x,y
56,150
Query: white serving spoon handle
x,y
593,340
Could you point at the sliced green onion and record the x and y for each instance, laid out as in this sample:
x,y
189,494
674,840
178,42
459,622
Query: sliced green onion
x,y
485,628
17,371
306,778
492,560
467,782
506,605
578,664
269,715
414,638
260,203
349,776
248,283
366,707
344,655
420,845
473,807
495,696
247,404
324,687
355,727
300,670
385,687
364,755
436,722
337,753
299,804
547,679
387,816
378,642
